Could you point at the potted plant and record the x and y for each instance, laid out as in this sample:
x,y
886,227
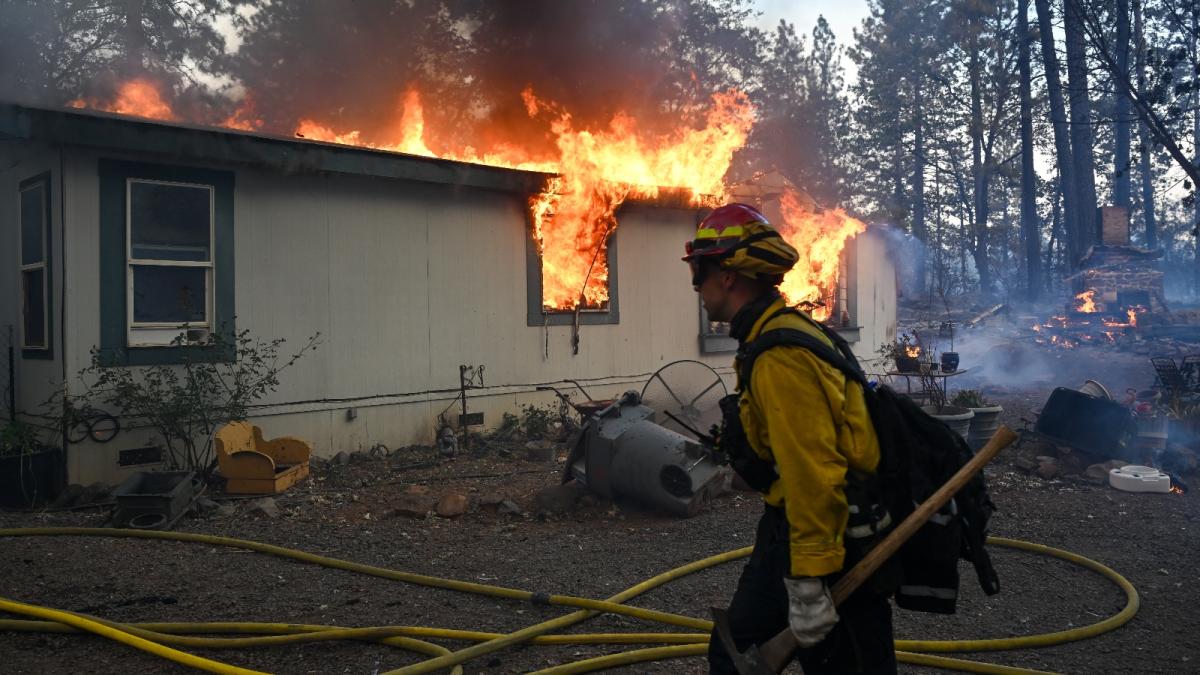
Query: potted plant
x,y
903,352
985,419
956,417
31,473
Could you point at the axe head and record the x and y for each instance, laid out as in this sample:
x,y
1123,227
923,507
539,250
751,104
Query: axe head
x,y
749,662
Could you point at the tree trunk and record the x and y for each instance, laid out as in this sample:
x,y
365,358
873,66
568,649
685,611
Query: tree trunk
x,y
1056,231
981,172
1062,139
1121,112
1195,49
134,37
919,229
1145,139
1081,125
1030,232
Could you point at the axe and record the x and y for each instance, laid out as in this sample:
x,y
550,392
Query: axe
x,y
771,657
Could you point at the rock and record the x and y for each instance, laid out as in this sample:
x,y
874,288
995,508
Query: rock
x,y
412,505
491,499
342,458
315,462
378,451
225,510
452,505
557,499
1048,470
1098,473
359,456
509,506
265,507
68,496
1024,464
418,490
1042,459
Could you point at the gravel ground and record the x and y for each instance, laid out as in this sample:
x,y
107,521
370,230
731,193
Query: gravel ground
x,y
595,551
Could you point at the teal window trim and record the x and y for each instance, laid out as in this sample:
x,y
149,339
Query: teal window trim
x,y
47,265
537,316
114,315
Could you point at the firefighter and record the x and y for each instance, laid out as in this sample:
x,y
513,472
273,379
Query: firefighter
x,y
803,430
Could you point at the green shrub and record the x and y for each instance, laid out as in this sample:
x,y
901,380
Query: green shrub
x,y
538,421
969,398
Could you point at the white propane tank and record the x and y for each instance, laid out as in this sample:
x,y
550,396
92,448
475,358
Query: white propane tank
x,y
1136,478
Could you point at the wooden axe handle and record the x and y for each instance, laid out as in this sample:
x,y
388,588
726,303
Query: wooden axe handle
x,y
778,650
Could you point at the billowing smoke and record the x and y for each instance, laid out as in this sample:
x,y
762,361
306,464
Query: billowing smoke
x,y
909,255
348,66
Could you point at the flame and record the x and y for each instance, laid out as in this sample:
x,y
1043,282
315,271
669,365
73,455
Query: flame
x,y
819,237
598,170
1175,489
1087,302
245,118
139,96
912,351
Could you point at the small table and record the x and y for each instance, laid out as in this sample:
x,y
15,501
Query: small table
x,y
932,375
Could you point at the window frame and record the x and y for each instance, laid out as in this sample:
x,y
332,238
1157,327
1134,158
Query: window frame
x,y
536,315
116,307
44,351
162,333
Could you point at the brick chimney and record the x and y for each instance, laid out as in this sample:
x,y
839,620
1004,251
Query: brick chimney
x,y
1114,225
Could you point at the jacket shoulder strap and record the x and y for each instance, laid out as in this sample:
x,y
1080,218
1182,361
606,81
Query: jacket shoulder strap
x,y
796,338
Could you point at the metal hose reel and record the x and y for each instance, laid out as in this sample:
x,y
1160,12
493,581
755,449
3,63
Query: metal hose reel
x,y
630,449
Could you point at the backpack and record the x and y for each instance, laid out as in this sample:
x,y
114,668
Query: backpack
x,y
918,454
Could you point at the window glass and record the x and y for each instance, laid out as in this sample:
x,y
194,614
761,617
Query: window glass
x,y
33,294
33,202
169,222
169,294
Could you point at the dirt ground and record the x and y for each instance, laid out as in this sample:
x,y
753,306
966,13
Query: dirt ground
x,y
594,550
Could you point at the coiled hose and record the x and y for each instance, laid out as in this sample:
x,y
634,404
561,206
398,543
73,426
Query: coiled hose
x,y
162,638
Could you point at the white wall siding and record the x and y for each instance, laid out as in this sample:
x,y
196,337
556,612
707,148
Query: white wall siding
x,y
36,379
405,281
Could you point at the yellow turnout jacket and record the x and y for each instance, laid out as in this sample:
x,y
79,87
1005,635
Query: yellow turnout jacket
x,y
803,415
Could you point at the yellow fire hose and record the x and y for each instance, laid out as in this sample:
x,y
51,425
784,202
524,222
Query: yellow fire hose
x,y
155,637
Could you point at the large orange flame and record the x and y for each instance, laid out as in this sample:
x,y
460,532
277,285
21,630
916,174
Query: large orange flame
x,y
139,96
819,236
1087,302
598,169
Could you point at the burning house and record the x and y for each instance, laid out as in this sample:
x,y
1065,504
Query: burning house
x,y
126,233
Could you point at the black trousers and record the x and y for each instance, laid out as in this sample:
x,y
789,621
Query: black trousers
x,y
861,642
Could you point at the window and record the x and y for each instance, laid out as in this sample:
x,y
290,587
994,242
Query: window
x,y
609,313
34,252
166,259
714,335
169,278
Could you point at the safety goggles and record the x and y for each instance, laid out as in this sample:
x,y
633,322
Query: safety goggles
x,y
695,247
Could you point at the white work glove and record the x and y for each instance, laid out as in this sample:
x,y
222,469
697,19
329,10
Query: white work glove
x,y
811,614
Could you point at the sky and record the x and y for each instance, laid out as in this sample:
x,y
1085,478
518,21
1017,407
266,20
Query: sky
x,y
843,17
